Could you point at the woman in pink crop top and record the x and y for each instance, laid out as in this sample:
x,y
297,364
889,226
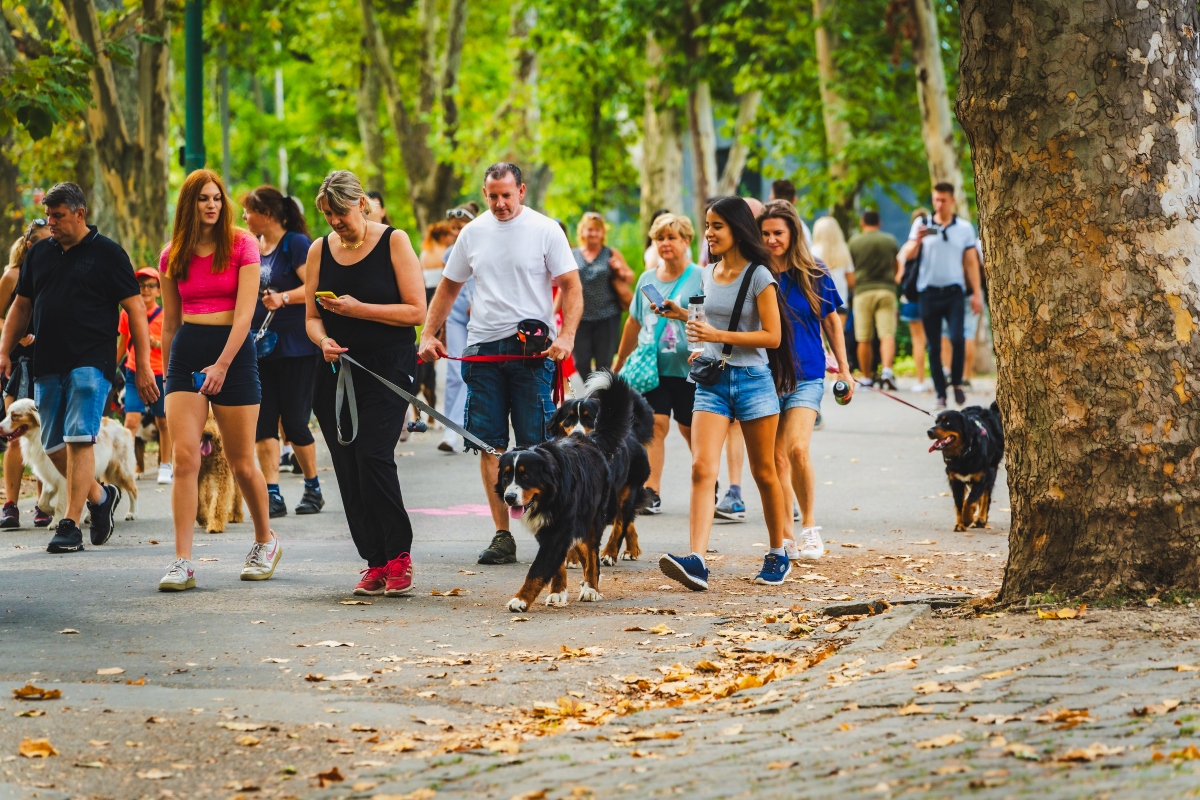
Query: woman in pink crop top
x,y
210,277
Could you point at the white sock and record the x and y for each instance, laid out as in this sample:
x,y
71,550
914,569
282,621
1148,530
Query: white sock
x,y
697,555
887,372
778,551
286,450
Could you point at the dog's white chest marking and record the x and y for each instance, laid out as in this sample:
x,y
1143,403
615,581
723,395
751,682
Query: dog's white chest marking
x,y
967,479
579,429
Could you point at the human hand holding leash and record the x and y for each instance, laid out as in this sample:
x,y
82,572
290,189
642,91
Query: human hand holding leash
x,y
330,349
560,348
430,348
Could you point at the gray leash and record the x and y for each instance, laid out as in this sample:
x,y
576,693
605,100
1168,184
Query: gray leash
x,y
345,390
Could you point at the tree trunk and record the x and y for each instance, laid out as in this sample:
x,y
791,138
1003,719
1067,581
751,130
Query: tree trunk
x,y
937,126
735,164
526,144
1082,123
704,146
662,145
132,165
367,106
11,216
432,182
833,112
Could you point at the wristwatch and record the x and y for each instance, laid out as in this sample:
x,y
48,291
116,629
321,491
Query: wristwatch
x,y
285,298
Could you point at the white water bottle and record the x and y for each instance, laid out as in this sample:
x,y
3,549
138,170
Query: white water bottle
x,y
696,314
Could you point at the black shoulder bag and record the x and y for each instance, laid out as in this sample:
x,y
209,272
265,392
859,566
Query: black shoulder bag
x,y
706,370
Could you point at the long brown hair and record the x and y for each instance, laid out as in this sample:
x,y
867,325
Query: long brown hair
x,y
799,261
185,235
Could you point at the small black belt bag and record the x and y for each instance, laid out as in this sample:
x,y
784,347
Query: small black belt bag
x,y
706,370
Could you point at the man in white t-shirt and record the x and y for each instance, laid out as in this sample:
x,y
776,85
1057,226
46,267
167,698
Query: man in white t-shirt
x,y
515,255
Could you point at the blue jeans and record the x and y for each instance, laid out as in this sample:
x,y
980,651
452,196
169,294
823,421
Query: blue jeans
x,y
517,389
742,394
133,401
944,303
71,406
808,394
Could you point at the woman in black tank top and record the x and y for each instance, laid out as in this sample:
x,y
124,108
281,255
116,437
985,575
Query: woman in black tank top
x,y
380,298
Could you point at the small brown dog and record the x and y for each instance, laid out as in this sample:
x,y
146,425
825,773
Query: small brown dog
x,y
220,498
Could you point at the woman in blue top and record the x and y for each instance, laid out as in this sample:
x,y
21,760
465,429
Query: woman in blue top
x,y
812,300
286,373
756,372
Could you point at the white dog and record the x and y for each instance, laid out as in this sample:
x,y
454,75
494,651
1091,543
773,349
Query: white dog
x,y
114,453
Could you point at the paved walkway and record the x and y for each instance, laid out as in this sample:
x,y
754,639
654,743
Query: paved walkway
x,y
258,689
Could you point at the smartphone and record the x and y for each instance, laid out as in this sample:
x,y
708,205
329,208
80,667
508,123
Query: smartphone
x,y
653,295
198,379
326,295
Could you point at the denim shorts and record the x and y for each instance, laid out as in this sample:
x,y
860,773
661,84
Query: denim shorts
x,y
133,401
497,391
910,312
70,406
742,394
808,394
970,322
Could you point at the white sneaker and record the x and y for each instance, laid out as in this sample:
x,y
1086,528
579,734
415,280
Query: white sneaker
x,y
789,547
921,388
180,576
811,546
166,474
261,560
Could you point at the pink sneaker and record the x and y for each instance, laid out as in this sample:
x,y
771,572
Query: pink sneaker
x,y
373,581
399,576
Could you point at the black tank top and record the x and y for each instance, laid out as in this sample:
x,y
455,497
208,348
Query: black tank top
x,y
371,280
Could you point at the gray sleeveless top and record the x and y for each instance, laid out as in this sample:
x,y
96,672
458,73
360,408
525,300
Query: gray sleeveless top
x,y
599,298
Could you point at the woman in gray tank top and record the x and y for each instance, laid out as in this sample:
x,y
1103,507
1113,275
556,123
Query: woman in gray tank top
x,y
606,279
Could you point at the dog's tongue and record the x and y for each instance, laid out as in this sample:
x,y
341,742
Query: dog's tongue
x,y
939,444
516,512
205,448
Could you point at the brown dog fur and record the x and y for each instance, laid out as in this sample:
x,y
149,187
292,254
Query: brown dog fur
x,y
220,499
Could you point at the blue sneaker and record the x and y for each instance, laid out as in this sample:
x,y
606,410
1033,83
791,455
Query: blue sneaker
x,y
688,570
731,507
775,569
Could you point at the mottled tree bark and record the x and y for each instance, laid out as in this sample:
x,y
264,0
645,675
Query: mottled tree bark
x,y
1082,119
10,193
833,112
367,106
662,144
739,151
937,126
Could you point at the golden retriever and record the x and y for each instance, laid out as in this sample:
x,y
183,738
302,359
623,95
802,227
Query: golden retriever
x,y
220,499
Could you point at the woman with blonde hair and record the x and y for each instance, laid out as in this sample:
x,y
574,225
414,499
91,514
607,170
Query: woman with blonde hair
x,y
829,246
210,279
365,297
606,293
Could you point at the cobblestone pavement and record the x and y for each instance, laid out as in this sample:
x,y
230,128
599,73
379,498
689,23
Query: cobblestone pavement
x,y
292,689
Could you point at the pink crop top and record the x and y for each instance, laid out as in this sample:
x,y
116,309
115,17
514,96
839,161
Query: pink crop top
x,y
206,293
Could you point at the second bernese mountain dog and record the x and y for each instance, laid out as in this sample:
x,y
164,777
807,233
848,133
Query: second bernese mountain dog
x,y
565,492
629,473
971,442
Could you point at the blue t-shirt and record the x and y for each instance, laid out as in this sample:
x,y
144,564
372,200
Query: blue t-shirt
x,y
807,352
279,273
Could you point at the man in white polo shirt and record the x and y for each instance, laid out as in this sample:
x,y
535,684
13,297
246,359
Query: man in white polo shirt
x,y
515,255
949,270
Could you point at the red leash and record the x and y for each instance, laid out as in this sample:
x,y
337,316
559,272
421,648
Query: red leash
x,y
886,394
557,392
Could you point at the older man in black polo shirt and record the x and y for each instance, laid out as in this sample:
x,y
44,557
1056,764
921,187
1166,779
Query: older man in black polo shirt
x,y
71,288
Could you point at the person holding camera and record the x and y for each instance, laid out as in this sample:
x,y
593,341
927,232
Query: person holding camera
x,y
947,282
514,255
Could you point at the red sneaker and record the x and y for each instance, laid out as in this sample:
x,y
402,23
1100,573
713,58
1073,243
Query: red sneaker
x,y
399,576
373,581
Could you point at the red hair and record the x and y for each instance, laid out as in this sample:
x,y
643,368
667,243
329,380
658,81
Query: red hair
x,y
185,235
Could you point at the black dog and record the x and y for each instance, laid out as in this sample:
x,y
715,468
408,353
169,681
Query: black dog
x,y
972,445
579,417
564,491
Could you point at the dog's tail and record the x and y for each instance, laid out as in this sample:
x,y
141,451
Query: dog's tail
x,y
616,409
643,420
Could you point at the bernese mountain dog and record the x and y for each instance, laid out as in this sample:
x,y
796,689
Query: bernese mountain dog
x,y
565,491
971,442
578,417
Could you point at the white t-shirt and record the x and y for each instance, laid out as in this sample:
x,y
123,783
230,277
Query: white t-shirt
x,y
941,256
513,263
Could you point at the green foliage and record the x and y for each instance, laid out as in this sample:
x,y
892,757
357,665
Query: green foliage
x,y
41,92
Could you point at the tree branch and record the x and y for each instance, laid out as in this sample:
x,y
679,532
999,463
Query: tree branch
x,y
108,124
382,58
740,150
455,34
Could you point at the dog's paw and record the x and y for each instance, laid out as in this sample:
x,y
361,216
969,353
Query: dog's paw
x,y
557,599
607,561
979,524
574,565
516,604
630,556
959,527
130,516
588,595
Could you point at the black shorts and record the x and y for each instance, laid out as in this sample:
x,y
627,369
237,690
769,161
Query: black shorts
x,y
198,346
673,395
287,397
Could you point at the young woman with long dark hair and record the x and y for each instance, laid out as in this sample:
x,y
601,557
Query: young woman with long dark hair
x,y
757,372
811,298
210,277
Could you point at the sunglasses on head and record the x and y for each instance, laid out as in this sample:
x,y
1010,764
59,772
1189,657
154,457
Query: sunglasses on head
x,y
459,213
37,223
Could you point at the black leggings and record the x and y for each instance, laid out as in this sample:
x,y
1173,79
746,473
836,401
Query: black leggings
x,y
596,339
287,391
938,303
366,468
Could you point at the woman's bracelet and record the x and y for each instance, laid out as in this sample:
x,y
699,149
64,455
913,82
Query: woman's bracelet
x,y
321,343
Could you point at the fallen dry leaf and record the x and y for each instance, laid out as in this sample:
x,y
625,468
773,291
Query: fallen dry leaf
x,y
208,559
967,687
359,728
356,602
707,666
951,769
896,666
661,629
850,544
110,671
90,764
332,776
139,682
314,677
1186,668
644,735
951,669
31,692
996,719
782,764
451,593
945,740
508,746
419,794
533,794
36,748
399,745
1063,613
992,676
242,727
931,687
350,676
732,730
332,643
68,630
1165,707
154,774
913,708
275,660
1020,751
1089,753
248,740
1189,753
1066,717
33,712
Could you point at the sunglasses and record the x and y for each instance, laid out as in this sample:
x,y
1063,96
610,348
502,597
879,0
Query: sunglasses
x,y
459,213
37,223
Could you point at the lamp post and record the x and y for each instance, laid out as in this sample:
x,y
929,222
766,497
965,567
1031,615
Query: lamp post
x,y
193,155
